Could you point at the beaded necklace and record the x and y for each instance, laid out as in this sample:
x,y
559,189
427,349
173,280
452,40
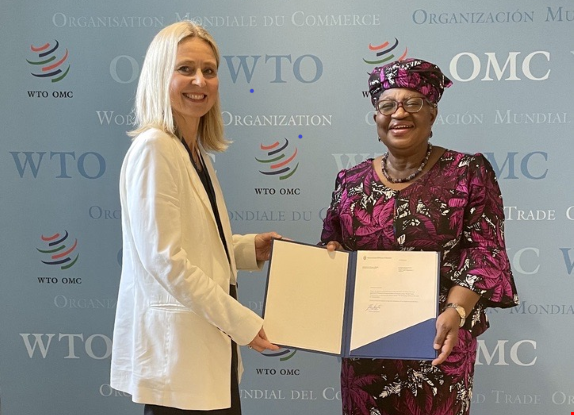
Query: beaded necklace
x,y
410,176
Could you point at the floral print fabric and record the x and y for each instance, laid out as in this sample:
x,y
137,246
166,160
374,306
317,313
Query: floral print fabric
x,y
455,208
422,76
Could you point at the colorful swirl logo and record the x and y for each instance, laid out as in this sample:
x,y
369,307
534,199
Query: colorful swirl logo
x,y
50,62
385,53
278,162
282,354
58,250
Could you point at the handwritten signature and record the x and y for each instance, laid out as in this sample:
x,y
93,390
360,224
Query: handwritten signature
x,y
373,307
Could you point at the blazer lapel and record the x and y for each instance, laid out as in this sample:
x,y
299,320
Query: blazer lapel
x,y
202,193
222,208
196,181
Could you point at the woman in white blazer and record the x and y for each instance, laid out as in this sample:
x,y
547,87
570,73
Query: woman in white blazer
x,y
177,322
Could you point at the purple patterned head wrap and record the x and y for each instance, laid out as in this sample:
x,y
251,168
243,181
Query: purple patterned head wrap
x,y
422,76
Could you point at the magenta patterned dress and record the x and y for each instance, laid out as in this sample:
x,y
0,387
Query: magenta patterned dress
x,y
455,208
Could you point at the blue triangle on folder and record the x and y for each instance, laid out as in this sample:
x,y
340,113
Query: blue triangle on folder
x,y
413,343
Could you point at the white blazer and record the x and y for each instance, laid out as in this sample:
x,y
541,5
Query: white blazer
x,y
174,317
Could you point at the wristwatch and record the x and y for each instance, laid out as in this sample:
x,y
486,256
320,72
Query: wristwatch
x,y
460,310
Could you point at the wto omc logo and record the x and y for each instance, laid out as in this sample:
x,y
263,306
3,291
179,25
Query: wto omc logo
x,y
385,52
280,160
51,61
282,354
58,251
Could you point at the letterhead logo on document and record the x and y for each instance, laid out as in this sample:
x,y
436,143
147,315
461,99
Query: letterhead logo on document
x,y
279,160
59,250
50,61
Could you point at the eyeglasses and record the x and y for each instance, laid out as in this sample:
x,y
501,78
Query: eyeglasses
x,y
410,105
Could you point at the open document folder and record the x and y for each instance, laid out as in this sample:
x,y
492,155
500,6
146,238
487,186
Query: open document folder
x,y
371,304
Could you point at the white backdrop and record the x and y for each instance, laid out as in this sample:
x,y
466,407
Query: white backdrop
x,y
293,80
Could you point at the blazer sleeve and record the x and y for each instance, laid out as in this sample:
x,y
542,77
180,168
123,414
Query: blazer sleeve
x,y
153,180
244,251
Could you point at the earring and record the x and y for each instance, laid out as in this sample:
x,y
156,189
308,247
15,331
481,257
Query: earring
x,y
430,136
379,138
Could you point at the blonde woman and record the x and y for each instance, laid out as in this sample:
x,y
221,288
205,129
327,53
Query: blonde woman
x,y
178,322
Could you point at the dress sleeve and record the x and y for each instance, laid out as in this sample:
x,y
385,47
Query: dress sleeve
x,y
332,223
481,264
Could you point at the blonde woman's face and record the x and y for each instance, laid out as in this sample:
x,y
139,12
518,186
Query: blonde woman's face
x,y
194,84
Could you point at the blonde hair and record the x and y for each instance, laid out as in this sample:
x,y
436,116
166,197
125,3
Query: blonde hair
x,y
152,103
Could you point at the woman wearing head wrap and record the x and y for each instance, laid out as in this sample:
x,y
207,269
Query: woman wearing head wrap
x,y
423,197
